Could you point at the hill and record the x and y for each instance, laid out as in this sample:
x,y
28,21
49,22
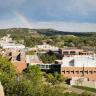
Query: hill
x,y
32,37
48,32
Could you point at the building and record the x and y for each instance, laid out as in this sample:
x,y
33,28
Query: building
x,y
7,42
81,81
46,47
33,60
1,90
75,51
16,57
12,46
20,66
6,39
15,53
79,66
50,68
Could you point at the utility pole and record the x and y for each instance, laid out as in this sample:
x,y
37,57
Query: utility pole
x,y
83,70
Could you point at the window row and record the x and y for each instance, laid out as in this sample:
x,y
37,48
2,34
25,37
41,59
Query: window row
x,y
79,72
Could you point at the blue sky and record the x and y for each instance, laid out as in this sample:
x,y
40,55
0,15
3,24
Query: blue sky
x,y
68,15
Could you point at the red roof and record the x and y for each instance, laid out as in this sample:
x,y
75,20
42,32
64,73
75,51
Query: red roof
x,y
20,66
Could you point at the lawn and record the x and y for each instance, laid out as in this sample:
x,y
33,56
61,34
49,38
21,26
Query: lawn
x,y
86,88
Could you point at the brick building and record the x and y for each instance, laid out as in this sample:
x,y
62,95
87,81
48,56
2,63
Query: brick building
x,y
78,63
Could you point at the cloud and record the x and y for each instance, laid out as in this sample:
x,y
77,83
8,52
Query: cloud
x,y
7,6
60,10
77,6
10,3
62,26
68,15
52,8
67,26
83,7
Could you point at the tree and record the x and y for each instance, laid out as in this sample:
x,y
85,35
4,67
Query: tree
x,y
54,78
86,94
7,75
49,57
31,53
33,73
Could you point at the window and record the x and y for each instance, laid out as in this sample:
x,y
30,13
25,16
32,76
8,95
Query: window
x,y
18,58
42,66
72,52
86,72
90,72
77,72
71,63
65,53
63,71
68,72
94,71
72,72
81,72
47,66
10,54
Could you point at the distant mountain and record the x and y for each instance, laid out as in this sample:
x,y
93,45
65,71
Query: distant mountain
x,y
48,32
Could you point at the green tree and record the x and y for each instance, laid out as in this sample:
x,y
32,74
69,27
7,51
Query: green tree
x,y
7,75
34,74
31,53
54,78
46,58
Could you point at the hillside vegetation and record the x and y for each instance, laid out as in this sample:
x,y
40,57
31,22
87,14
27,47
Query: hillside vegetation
x,y
31,37
47,32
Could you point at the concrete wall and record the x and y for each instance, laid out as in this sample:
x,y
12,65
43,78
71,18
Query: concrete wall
x,y
1,90
83,82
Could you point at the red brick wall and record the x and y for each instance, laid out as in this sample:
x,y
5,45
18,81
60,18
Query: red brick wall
x,y
89,72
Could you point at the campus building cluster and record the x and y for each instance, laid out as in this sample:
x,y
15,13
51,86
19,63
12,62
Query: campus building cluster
x,y
74,62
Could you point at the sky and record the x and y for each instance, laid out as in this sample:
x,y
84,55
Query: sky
x,y
64,15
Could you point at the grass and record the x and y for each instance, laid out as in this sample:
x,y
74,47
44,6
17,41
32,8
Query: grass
x,y
86,88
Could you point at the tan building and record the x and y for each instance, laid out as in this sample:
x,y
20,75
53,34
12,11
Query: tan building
x,y
87,72
79,66
33,60
78,63
13,55
75,51
16,56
